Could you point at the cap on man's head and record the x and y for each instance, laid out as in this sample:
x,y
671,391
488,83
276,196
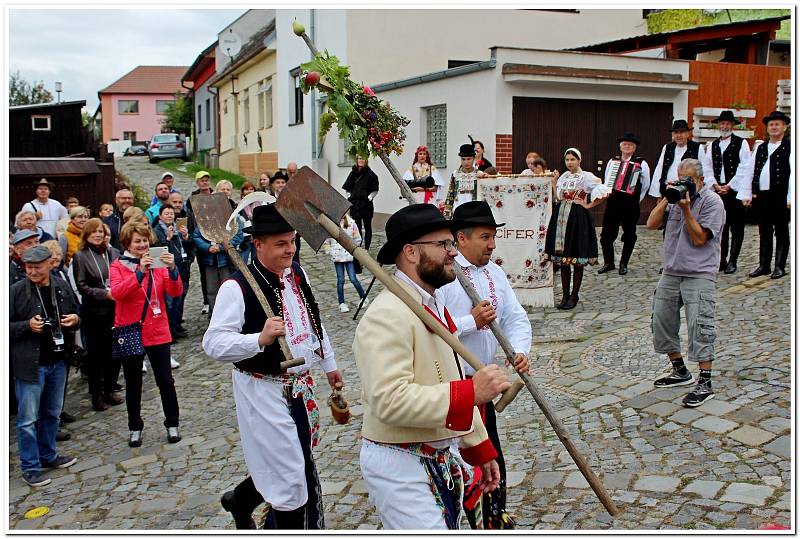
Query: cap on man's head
x,y
37,255
22,235
167,175
44,181
200,174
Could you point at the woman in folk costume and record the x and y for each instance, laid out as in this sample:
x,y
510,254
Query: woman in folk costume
x,y
276,411
571,238
420,170
481,163
463,181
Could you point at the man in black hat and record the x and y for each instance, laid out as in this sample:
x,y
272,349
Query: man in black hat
x,y
463,181
277,414
474,227
770,189
671,155
725,168
628,177
43,317
417,403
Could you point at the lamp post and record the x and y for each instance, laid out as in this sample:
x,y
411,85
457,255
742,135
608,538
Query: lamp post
x,y
58,91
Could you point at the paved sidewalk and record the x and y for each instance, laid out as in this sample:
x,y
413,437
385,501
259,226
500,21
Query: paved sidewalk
x,y
725,465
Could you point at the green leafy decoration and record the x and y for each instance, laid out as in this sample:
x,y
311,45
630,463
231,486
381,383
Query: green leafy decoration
x,y
371,126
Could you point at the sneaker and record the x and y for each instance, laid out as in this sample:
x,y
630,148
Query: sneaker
x,y
173,435
700,394
174,364
343,308
61,461
135,438
35,479
674,379
204,310
67,417
144,366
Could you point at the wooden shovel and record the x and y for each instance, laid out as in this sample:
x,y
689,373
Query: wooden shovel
x,y
314,208
211,212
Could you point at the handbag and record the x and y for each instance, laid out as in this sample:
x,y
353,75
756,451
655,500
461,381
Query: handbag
x,y
126,341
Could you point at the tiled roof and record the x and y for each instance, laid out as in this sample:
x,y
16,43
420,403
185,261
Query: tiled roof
x,y
148,80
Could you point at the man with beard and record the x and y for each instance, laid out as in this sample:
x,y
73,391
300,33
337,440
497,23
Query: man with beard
x,y
278,417
474,227
672,154
124,200
418,406
725,168
161,199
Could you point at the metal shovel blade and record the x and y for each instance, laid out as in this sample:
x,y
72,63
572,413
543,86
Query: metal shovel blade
x,y
304,198
211,212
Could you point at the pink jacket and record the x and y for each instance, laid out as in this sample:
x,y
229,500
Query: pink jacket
x,y
130,297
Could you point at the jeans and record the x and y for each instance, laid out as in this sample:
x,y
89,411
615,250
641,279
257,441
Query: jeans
x,y
351,273
38,415
132,367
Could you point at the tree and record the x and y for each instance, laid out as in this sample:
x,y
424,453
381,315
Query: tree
x,y
179,115
22,92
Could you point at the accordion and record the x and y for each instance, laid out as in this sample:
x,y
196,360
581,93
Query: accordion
x,y
623,176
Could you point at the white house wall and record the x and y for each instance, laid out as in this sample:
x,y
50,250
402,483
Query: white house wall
x,y
206,137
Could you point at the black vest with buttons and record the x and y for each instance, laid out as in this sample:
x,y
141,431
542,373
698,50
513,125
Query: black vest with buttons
x,y
692,151
778,168
268,361
727,160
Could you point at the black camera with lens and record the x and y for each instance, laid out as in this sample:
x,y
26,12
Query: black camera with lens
x,y
424,183
54,328
678,190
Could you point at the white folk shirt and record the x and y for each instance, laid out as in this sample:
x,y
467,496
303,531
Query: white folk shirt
x,y
491,283
741,172
465,186
672,173
52,212
266,427
746,191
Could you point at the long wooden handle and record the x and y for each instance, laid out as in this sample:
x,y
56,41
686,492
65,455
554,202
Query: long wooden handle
x,y
234,255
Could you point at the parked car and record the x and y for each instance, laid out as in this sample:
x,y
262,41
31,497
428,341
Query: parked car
x,y
135,150
165,146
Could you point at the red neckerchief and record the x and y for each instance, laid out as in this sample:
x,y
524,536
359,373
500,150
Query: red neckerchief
x,y
450,326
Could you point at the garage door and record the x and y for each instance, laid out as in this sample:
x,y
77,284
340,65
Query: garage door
x,y
550,126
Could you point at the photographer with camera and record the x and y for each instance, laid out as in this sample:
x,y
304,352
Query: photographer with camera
x,y
43,319
691,257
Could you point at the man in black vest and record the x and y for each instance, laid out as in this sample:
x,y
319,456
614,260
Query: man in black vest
x,y
628,176
770,191
671,155
278,417
725,169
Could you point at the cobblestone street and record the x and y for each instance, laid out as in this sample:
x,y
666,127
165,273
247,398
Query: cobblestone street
x,y
725,465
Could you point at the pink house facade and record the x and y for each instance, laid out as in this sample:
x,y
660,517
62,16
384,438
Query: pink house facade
x,y
133,107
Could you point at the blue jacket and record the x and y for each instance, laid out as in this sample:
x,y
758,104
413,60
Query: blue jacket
x,y
214,260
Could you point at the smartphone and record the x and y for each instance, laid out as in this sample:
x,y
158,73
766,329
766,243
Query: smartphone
x,y
156,252
182,221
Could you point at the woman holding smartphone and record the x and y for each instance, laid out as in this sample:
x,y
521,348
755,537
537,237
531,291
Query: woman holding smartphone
x,y
139,288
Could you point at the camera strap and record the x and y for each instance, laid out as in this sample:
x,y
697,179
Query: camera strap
x,y
53,299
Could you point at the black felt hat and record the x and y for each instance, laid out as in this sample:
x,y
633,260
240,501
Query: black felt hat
x,y
408,224
466,150
267,220
279,175
680,125
726,115
776,115
629,137
473,213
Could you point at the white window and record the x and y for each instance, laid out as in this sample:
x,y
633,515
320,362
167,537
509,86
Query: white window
x,y
208,115
199,118
344,153
246,110
296,97
128,106
40,122
225,106
265,104
129,135
436,134
162,105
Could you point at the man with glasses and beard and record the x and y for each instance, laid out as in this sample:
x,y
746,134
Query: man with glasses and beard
x,y
421,421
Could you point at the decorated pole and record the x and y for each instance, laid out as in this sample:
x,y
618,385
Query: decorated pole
x,y
373,127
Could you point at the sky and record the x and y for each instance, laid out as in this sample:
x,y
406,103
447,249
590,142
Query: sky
x,y
88,49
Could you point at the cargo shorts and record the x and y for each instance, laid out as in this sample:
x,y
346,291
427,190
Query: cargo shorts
x,y
698,297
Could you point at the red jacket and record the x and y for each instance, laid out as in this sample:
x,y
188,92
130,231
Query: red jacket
x,y
130,296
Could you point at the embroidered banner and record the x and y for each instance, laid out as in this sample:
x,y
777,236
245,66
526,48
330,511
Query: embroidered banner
x,y
524,204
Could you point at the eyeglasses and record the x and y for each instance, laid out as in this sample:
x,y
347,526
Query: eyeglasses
x,y
449,245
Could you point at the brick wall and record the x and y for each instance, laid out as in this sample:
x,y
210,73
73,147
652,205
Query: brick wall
x,y
251,165
503,158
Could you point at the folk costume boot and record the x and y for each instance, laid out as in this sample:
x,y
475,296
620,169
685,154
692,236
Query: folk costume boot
x,y
608,259
736,248
576,286
242,518
566,275
627,251
780,262
290,520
